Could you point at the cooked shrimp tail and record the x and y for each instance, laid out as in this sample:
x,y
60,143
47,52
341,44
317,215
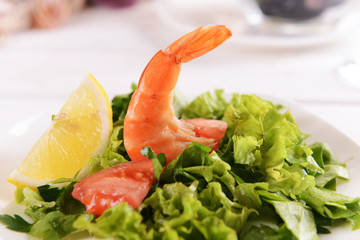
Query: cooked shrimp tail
x,y
150,120
198,43
165,65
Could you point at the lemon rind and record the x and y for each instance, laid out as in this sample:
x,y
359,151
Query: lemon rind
x,y
100,93
20,180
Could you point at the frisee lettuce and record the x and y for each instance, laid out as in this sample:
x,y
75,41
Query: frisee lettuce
x,y
264,182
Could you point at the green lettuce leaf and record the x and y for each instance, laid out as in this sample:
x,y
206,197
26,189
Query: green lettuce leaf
x,y
231,212
36,207
48,193
16,223
159,161
195,163
118,222
54,226
52,209
120,105
300,221
264,232
331,204
332,167
331,173
66,204
179,103
323,155
246,150
264,138
180,211
195,155
114,154
212,228
19,195
247,196
206,105
293,182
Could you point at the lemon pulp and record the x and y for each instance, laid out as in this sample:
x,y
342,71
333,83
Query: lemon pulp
x,y
80,130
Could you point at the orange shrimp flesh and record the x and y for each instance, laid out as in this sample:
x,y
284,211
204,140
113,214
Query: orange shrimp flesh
x,y
150,119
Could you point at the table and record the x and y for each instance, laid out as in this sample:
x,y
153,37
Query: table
x,y
40,68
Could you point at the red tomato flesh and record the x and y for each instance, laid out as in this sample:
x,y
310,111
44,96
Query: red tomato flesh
x,y
127,182
130,182
209,128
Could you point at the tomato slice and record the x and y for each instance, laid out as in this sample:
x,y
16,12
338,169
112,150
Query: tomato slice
x,y
209,128
130,182
127,182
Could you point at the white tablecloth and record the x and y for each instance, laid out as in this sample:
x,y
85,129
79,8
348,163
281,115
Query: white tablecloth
x,y
40,68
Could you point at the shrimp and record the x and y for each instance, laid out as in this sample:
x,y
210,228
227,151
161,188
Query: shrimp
x,y
150,119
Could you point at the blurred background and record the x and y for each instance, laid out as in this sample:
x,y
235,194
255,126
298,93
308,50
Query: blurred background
x,y
307,51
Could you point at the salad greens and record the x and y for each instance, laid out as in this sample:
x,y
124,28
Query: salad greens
x,y
264,182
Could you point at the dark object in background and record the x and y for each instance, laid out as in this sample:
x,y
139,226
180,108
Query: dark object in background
x,y
114,3
295,9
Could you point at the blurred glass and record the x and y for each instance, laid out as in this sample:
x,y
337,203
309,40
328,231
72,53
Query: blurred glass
x,y
296,9
271,23
297,17
115,3
349,72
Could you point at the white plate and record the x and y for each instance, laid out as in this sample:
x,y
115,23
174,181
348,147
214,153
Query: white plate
x,y
23,135
186,15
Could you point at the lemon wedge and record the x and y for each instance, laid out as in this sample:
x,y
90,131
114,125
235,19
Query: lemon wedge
x,y
80,130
